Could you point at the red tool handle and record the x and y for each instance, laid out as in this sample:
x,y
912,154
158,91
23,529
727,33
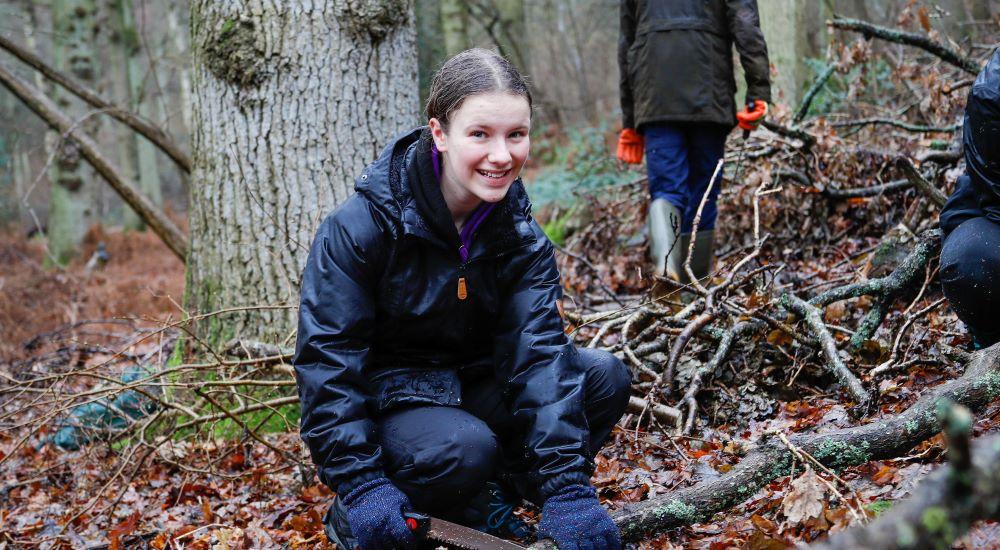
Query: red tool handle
x,y
418,523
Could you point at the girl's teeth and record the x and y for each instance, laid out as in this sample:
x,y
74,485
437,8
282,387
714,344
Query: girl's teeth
x,y
494,175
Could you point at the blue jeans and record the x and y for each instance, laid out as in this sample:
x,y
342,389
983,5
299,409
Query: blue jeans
x,y
680,160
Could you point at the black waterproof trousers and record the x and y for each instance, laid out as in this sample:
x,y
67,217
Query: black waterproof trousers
x,y
441,457
970,275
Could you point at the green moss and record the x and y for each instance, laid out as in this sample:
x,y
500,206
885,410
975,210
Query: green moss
x,y
838,454
991,382
684,513
912,426
262,421
935,519
555,229
878,507
233,55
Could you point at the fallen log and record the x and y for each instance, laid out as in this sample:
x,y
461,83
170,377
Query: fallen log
x,y
878,440
941,509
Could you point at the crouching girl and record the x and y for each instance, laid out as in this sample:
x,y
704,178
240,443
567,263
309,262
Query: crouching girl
x,y
433,369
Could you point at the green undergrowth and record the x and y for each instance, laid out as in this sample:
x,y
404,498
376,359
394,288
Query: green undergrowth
x,y
835,95
556,228
574,161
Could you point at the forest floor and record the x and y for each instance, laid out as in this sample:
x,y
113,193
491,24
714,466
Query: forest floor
x,y
252,499
843,199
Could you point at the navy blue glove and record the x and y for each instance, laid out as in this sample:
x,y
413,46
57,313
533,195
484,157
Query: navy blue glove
x,y
375,514
575,520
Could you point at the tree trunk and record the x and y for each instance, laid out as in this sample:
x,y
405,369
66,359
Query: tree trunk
x,y
142,153
291,100
785,24
71,209
455,26
430,43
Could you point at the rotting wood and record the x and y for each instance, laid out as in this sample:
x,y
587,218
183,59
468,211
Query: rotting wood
x,y
942,507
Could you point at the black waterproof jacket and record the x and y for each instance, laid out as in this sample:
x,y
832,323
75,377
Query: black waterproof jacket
x,y
676,62
381,325
977,193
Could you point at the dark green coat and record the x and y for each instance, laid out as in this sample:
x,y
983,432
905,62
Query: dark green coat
x,y
676,60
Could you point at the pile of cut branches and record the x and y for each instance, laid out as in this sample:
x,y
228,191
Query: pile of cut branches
x,y
826,284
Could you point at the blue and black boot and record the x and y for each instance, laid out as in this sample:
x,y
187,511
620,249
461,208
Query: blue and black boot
x,y
492,512
338,530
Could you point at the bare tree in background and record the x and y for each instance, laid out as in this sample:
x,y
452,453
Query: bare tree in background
x,y
71,209
137,155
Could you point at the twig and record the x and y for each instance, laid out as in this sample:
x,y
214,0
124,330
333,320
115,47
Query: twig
x,y
597,274
662,413
38,102
141,125
890,363
890,437
896,123
807,100
811,315
920,182
943,51
806,457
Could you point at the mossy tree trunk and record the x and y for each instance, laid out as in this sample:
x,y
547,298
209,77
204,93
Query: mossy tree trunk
x,y
291,100
71,208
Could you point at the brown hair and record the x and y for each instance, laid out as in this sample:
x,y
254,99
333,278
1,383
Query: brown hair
x,y
471,72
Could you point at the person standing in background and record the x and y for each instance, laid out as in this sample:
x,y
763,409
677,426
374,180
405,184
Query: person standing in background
x,y
677,91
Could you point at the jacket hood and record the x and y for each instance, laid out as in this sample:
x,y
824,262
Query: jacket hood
x,y
982,126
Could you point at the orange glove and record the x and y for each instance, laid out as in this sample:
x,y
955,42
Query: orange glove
x,y
630,146
750,118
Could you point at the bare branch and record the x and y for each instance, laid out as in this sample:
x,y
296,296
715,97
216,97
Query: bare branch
x,y
148,130
172,236
945,52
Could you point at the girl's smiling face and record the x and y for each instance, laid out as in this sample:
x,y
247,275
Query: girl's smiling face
x,y
483,150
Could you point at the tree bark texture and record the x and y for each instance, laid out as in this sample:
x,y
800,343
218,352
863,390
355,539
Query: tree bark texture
x,y
291,100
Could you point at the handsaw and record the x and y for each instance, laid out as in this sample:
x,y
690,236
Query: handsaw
x,y
454,535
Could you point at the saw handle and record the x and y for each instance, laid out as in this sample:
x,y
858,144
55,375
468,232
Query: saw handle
x,y
418,523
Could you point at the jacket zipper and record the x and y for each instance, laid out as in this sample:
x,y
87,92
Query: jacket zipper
x,y
463,291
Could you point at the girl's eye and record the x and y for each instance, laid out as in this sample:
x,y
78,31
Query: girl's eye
x,y
517,134
478,133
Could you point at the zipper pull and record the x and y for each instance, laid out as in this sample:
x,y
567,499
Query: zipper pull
x,y
463,293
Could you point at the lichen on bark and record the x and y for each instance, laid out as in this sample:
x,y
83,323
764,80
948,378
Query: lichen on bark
x,y
232,52
376,18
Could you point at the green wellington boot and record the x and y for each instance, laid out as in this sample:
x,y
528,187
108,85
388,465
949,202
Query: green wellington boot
x,y
703,256
664,238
